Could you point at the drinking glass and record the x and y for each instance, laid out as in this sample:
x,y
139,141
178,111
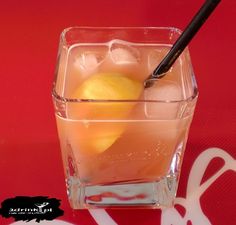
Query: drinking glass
x,y
120,151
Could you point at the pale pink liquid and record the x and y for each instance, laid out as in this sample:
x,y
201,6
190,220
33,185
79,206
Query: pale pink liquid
x,y
146,144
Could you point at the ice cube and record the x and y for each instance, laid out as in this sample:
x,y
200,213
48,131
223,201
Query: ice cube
x,y
163,91
88,62
121,52
164,97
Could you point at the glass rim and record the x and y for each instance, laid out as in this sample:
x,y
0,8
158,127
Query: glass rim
x,y
66,30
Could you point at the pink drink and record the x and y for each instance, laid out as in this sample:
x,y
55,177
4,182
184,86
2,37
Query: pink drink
x,y
122,152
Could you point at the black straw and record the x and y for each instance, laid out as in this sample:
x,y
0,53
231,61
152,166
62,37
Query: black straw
x,y
184,39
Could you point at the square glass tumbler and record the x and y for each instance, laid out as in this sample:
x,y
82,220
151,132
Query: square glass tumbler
x,y
122,144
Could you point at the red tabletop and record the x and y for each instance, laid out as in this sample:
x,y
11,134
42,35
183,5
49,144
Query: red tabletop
x,y
30,161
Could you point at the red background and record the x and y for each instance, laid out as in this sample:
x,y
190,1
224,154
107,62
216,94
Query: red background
x,y
30,162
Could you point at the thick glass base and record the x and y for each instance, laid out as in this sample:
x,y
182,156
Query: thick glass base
x,y
156,194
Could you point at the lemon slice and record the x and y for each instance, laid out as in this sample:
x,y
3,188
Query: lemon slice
x,y
109,86
104,86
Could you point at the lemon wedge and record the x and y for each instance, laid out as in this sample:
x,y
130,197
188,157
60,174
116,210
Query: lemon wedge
x,y
109,86
104,86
